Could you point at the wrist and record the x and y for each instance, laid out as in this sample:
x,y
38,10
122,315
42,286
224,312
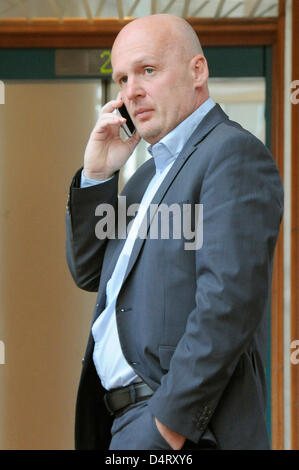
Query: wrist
x,y
175,440
97,176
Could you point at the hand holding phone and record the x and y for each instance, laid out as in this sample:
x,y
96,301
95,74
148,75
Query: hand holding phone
x,y
106,152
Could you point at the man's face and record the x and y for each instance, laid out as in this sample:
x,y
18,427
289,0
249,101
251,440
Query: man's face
x,y
155,80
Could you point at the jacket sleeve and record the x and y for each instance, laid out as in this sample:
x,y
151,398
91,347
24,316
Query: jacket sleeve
x,y
84,250
242,201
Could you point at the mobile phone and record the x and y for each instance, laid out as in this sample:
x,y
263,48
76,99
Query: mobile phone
x,y
128,126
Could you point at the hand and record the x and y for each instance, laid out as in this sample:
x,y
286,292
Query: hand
x,y
175,440
106,152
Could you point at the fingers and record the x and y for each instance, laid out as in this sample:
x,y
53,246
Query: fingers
x,y
109,118
108,122
112,105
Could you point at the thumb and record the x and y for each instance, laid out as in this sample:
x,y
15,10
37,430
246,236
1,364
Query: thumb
x,y
133,141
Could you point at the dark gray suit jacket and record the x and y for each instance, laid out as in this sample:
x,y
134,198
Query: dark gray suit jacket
x,y
192,323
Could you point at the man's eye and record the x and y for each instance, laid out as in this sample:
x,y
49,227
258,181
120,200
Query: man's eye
x,y
149,70
123,80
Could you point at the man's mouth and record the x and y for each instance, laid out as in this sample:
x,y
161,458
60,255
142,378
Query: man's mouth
x,y
142,113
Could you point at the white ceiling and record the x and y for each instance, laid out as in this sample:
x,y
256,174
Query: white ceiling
x,y
90,9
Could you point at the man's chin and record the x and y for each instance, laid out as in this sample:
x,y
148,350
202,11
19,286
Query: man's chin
x,y
152,136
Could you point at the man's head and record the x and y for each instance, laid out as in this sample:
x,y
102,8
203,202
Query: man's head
x,y
158,62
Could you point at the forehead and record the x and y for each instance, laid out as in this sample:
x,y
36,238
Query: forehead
x,y
132,48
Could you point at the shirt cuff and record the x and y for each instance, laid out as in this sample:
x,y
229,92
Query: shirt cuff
x,y
86,182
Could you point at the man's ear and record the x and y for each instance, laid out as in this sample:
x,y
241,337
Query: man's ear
x,y
199,70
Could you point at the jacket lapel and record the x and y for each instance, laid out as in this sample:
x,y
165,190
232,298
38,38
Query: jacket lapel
x,y
115,246
211,120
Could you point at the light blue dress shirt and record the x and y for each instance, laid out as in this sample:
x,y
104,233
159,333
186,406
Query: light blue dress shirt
x,y
111,365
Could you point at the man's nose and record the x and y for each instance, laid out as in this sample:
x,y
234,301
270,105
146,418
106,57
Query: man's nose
x,y
134,88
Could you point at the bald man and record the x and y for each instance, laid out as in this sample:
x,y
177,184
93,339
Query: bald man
x,y
176,353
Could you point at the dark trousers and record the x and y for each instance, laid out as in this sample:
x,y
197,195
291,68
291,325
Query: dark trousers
x,y
136,429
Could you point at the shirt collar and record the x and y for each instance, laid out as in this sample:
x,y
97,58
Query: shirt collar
x,y
168,148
